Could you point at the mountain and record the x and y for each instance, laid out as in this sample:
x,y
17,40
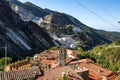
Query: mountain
x,y
63,28
112,36
22,38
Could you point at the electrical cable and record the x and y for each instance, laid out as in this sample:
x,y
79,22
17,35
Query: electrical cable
x,y
16,54
105,10
94,13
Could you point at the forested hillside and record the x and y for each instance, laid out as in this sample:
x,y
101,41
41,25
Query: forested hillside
x,y
107,55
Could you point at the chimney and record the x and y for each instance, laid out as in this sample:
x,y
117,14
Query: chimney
x,y
99,70
62,74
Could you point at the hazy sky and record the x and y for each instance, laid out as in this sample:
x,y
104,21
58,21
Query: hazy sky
x,y
107,11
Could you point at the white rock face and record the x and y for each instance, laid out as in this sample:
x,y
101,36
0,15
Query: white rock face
x,y
14,37
67,42
23,13
76,29
27,15
37,20
17,9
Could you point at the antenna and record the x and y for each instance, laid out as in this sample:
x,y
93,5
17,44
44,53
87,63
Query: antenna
x,y
5,61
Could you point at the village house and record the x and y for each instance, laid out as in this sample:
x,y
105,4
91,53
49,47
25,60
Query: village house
x,y
24,74
54,58
19,65
56,64
96,72
86,68
60,72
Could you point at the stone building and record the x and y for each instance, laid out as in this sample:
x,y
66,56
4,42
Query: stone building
x,y
62,56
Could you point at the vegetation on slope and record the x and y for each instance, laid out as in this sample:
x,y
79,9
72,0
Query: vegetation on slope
x,y
2,62
109,35
107,55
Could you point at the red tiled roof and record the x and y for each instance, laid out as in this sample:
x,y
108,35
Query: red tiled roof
x,y
68,59
96,70
48,61
55,74
20,74
94,75
54,51
114,76
71,52
82,61
103,72
19,63
52,54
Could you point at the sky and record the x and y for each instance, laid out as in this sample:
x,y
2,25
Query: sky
x,y
98,14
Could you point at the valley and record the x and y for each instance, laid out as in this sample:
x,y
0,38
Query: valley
x,y
42,41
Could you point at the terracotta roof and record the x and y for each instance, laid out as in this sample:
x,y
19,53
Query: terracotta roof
x,y
55,74
48,55
94,75
114,76
20,74
82,61
54,51
47,61
95,68
53,63
117,78
19,63
68,60
96,71
52,56
71,52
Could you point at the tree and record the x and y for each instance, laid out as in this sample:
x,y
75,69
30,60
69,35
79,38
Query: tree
x,y
53,48
8,60
29,58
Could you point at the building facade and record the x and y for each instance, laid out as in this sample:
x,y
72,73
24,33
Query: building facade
x,y
24,64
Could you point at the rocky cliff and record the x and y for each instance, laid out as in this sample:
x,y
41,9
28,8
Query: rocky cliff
x,y
22,38
63,28
70,34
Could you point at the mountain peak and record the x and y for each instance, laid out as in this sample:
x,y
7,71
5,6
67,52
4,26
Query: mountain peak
x,y
27,2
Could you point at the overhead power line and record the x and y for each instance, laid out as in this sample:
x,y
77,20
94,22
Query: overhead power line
x,y
16,53
94,13
105,10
